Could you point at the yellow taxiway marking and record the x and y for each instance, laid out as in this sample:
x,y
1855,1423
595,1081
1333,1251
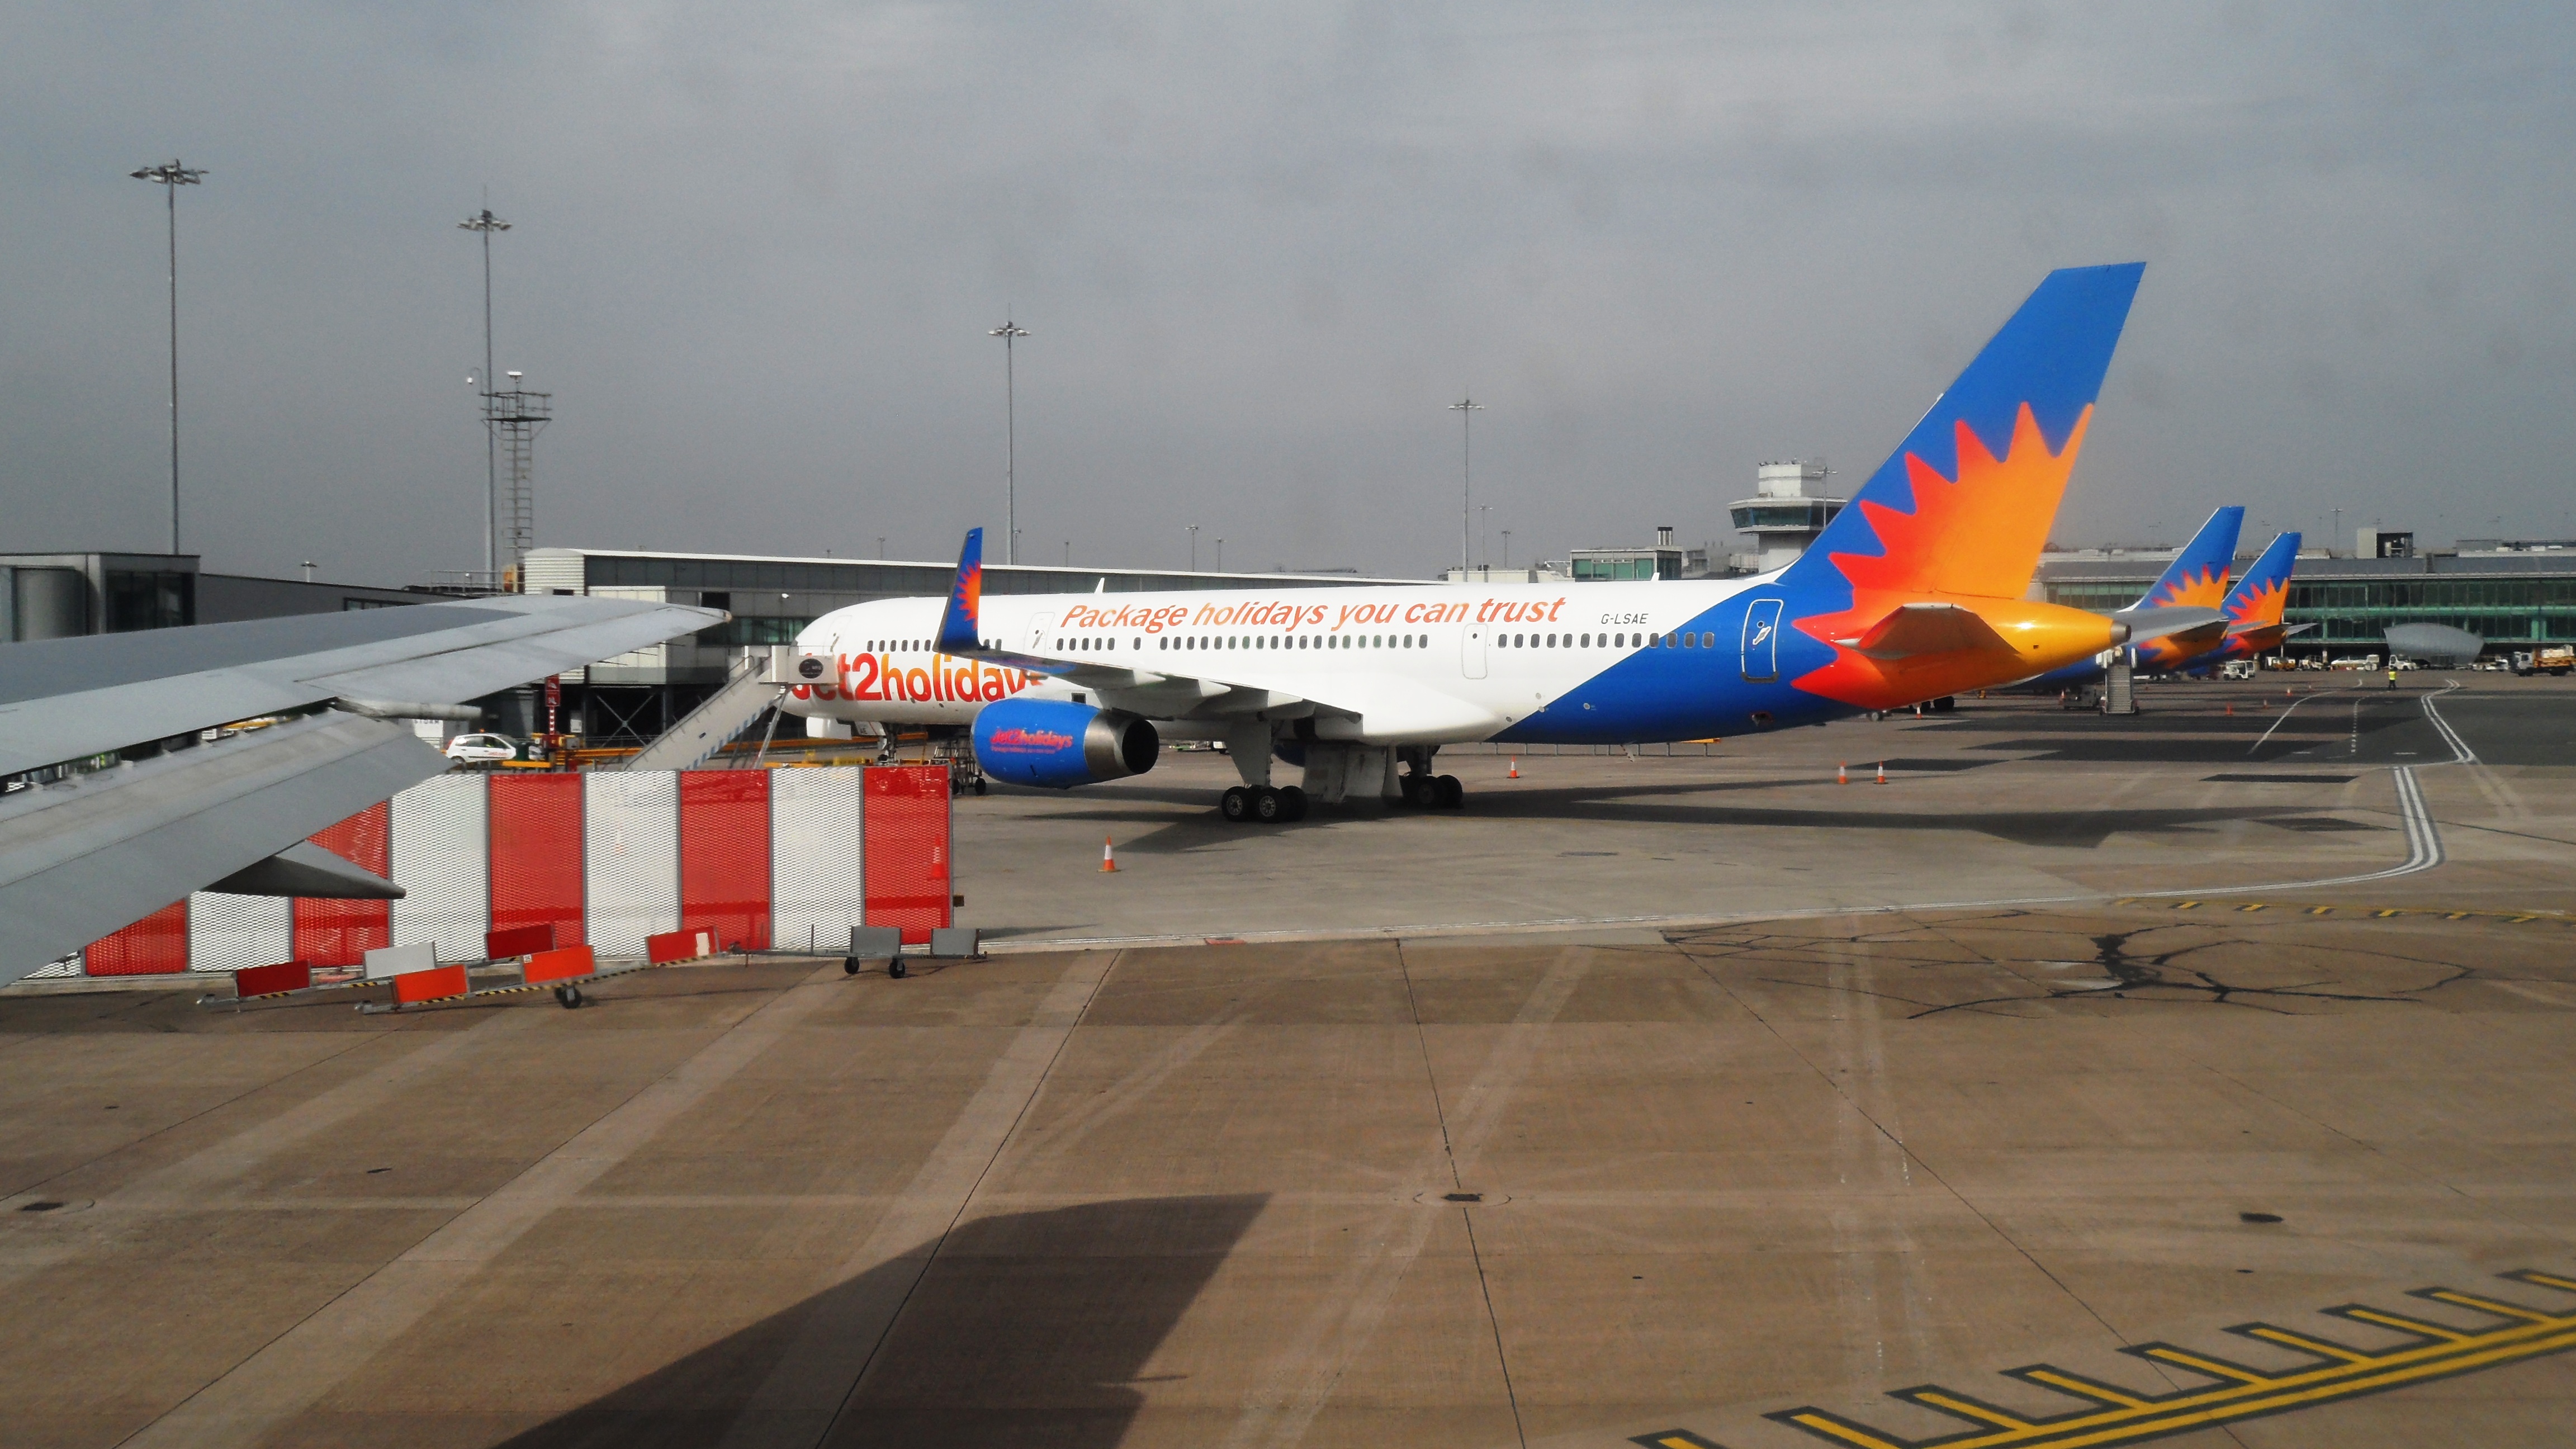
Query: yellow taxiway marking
x,y
2372,912
2114,1415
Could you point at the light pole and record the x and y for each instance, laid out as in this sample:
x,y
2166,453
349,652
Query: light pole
x,y
1220,555
1466,408
880,545
1010,334
170,178
1483,510
1507,548
1194,546
485,223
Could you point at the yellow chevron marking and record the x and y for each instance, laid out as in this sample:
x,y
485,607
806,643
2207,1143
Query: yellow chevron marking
x,y
2113,1416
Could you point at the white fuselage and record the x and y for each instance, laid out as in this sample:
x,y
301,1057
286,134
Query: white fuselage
x,y
1452,663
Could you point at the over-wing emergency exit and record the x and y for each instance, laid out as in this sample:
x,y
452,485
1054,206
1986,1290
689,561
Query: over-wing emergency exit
x,y
1915,591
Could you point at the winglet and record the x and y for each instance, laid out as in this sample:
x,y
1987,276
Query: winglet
x,y
960,624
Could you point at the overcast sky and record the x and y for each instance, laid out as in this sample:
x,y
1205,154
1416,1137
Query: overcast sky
x,y
757,249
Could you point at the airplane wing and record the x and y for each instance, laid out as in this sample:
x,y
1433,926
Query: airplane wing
x,y
92,852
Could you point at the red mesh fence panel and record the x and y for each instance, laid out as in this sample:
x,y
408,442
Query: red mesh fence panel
x,y
341,933
536,854
724,856
154,946
903,830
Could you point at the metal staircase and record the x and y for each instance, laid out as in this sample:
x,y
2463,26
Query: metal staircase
x,y
713,725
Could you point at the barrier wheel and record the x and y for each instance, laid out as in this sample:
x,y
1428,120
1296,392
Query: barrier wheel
x,y
896,969
570,996
849,965
1235,804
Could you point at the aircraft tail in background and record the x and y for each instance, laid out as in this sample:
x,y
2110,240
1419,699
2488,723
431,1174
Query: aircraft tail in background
x,y
2197,578
2255,606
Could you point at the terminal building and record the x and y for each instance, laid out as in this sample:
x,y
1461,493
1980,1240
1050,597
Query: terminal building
x,y
2515,594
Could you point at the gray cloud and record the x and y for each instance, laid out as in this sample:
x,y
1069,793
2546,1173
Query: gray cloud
x,y
1259,251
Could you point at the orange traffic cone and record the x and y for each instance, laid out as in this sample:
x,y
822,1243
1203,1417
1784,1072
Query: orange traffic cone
x,y
1882,772
1842,774
1516,771
1108,854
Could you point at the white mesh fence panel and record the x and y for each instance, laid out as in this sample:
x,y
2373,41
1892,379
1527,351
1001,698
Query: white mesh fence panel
x,y
814,857
631,857
441,857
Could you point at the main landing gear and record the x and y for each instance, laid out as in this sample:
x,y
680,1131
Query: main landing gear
x,y
1263,804
1433,792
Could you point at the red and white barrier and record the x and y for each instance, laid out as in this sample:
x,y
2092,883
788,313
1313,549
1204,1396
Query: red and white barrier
x,y
504,865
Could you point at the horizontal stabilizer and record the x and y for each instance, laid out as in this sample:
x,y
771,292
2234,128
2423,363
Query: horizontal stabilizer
x,y
2170,623
1914,629
2244,627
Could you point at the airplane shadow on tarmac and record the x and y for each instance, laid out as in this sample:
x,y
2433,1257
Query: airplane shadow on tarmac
x,y
1647,805
1026,1327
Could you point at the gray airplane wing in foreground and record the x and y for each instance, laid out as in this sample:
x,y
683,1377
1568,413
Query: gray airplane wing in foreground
x,y
94,852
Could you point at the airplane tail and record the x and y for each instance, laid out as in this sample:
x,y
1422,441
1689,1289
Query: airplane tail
x,y
2198,575
961,623
2258,598
1965,504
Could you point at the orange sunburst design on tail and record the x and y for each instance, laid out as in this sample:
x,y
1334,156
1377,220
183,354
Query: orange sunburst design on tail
x,y
1972,541
2205,589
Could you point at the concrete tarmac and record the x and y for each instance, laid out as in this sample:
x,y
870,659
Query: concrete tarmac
x,y
1721,1138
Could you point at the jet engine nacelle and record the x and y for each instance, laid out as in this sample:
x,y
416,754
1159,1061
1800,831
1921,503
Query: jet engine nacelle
x,y
1061,745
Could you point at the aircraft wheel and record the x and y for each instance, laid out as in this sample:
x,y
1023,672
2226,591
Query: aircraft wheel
x,y
1267,807
1235,805
1412,788
1292,804
896,969
1451,793
979,784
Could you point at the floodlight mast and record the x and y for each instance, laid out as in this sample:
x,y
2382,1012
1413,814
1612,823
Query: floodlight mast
x,y
1466,408
485,223
1010,334
170,178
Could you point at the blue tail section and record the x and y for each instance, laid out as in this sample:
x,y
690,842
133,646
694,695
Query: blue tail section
x,y
2198,574
961,622
2050,357
2270,574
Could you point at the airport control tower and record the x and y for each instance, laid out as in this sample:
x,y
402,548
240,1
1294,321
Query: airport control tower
x,y
1785,514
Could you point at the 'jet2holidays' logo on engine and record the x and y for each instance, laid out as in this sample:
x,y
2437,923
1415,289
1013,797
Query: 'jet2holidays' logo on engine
x,y
1028,742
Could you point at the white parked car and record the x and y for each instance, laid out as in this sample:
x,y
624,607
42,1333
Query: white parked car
x,y
482,749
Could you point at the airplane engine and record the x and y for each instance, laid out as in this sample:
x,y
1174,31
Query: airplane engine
x,y
1061,745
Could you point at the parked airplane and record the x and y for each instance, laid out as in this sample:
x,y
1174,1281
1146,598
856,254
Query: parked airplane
x,y
1915,591
2254,607
2197,578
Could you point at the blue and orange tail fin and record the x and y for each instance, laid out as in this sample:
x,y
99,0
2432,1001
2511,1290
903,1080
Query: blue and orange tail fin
x,y
961,623
2259,598
2197,577
1965,504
